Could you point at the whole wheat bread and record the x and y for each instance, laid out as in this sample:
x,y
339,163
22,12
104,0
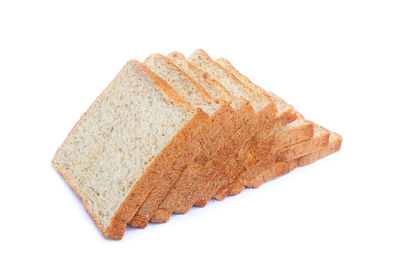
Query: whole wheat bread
x,y
123,143
319,140
283,116
201,164
193,94
283,167
299,130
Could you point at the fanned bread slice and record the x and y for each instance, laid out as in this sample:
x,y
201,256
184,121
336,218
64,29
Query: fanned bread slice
x,y
193,94
117,151
293,133
283,167
201,166
319,139
335,142
264,141
263,120
283,116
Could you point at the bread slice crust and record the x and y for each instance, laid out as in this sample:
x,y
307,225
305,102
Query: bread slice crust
x,y
186,87
220,188
183,186
116,228
281,168
262,158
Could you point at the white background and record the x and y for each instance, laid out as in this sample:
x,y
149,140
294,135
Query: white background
x,y
337,62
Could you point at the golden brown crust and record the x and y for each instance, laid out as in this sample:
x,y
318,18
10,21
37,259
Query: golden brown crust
x,y
205,186
279,141
303,148
116,228
262,120
153,173
259,140
184,185
333,147
146,211
281,168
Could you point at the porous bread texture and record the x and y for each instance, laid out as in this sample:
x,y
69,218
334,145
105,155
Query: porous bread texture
x,y
281,105
202,61
199,168
122,142
214,88
190,91
195,95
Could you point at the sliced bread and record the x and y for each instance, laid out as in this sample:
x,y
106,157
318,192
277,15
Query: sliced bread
x,y
263,121
201,166
298,131
250,178
283,116
193,94
120,147
283,167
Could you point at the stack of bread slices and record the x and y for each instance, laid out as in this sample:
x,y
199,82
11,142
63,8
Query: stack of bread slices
x,y
171,133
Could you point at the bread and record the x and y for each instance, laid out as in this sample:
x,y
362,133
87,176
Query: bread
x,y
320,139
293,133
299,129
193,94
201,165
172,133
335,142
120,147
250,178
285,114
281,168
264,115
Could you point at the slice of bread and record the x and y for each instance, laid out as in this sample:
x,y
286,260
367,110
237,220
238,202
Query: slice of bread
x,y
284,115
293,133
320,138
201,166
263,141
283,167
120,147
263,121
193,94
335,142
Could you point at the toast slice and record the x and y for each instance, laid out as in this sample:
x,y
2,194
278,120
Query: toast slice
x,y
281,168
285,114
199,167
120,147
265,148
193,94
